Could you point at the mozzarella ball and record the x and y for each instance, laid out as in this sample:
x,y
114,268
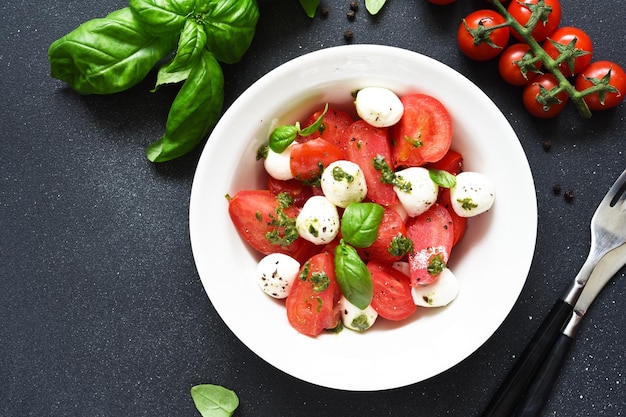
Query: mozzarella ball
x,y
277,165
438,294
276,273
379,107
423,193
473,194
354,318
318,221
343,182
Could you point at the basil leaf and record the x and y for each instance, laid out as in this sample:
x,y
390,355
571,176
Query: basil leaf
x,y
214,400
442,178
353,277
192,41
165,76
310,6
162,16
193,113
230,26
309,130
360,223
374,6
107,55
282,137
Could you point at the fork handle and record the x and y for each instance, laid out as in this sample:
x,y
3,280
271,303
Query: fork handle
x,y
508,395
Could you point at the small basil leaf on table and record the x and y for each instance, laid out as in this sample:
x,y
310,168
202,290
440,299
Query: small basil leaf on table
x,y
353,277
107,55
161,17
360,223
193,113
214,400
309,6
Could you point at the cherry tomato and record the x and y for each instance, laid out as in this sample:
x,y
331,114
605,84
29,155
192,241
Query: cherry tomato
x,y
520,10
452,162
392,297
515,66
535,99
432,233
576,42
476,41
309,159
423,134
364,144
391,234
254,214
334,124
441,2
597,72
313,296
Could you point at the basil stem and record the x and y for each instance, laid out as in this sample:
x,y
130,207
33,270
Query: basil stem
x,y
353,277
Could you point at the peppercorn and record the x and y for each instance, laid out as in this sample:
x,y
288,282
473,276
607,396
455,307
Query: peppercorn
x,y
351,15
556,189
324,12
569,196
354,5
348,34
547,145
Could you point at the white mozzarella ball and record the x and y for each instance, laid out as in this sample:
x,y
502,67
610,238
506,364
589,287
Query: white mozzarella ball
x,y
278,165
438,294
343,182
473,194
378,106
276,273
354,318
423,193
318,221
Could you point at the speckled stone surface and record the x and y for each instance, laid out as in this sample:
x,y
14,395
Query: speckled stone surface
x,y
102,312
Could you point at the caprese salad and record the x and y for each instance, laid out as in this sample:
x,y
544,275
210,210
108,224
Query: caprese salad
x,y
360,214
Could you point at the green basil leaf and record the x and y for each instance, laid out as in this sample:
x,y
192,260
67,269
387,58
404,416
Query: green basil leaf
x,y
374,6
192,41
309,130
165,76
282,137
442,178
214,400
310,6
162,16
230,26
193,113
360,223
353,277
107,55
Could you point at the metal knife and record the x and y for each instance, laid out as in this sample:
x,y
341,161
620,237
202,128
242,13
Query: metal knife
x,y
539,391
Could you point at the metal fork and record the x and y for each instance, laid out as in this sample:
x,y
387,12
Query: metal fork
x,y
608,231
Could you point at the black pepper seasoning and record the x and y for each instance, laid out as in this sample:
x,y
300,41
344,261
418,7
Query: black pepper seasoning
x,y
569,196
324,12
354,5
556,189
348,34
351,15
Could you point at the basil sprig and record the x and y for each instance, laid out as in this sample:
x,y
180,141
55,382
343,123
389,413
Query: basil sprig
x,y
353,277
360,223
283,136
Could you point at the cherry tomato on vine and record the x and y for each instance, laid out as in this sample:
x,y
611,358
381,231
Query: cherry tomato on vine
x,y
537,99
477,41
441,2
516,65
575,43
549,21
598,72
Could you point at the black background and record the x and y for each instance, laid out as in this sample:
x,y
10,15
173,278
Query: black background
x,y
102,312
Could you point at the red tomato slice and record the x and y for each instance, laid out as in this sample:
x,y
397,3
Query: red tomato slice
x,y
452,162
392,297
334,124
309,159
459,224
424,133
432,234
311,301
364,144
253,212
390,228
299,191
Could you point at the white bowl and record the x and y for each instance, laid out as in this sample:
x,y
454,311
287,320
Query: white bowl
x,y
492,261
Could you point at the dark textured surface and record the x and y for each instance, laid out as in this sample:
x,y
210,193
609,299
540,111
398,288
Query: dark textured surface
x,y
102,312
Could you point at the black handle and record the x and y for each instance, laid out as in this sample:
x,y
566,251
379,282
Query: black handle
x,y
539,390
508,396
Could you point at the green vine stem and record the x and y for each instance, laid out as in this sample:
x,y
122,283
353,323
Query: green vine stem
x,y
548,62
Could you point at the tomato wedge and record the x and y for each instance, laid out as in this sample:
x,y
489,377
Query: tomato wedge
x,y
254,214
432,234
364,144
392,297
459,224
299,191
313,296
309,159
423,134
334,124
452,162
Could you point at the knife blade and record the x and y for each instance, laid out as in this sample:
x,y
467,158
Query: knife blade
x,y
539,390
